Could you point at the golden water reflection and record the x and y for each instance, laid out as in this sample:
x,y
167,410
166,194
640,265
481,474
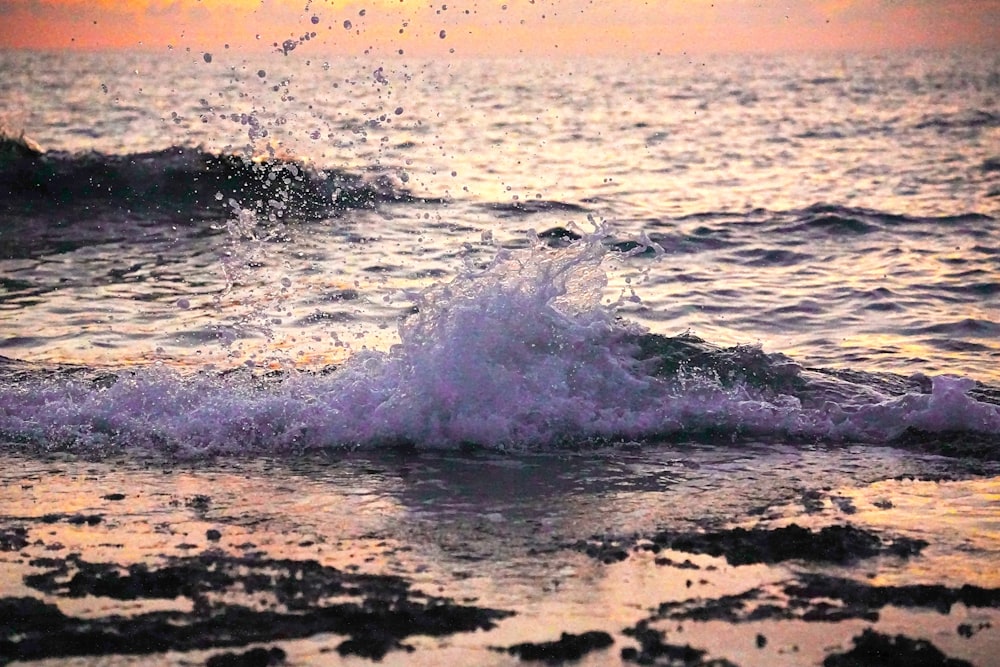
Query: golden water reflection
x,y
498,531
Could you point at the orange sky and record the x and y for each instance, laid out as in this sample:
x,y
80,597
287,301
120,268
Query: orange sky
x,y
508,27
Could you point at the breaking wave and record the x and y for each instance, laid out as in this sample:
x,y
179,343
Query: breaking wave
x,y
181,184
521,355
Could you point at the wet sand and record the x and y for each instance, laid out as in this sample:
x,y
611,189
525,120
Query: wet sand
x,y
660,555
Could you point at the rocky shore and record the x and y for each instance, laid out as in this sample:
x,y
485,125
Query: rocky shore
x,y
626,556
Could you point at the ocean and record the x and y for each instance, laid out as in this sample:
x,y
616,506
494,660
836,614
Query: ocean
x,y
677,290
830,215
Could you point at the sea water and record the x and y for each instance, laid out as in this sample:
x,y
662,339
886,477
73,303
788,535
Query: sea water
x,y
599,299
286,252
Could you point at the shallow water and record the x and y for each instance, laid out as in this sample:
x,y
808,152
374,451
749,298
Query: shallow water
x,y
513,544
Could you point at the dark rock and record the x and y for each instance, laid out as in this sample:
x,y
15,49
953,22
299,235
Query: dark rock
x,y
24,615
199,502
967,630
14,538
567,647
857,595
873,649
821,598
606,551
686,564
739,546
730,608
114,496
235,601
372,643
653,651
256,657
89,519
186,578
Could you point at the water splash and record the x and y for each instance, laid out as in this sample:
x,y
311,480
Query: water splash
x,y
521,354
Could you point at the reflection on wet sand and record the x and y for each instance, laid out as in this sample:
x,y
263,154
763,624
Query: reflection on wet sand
x,y
568,544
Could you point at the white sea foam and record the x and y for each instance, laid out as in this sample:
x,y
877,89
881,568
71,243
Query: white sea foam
x,y
519,355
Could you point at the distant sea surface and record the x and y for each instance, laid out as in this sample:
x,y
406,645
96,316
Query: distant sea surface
x,y
496,252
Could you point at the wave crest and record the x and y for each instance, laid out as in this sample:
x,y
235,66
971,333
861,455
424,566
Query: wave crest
x,y
183,184
521,355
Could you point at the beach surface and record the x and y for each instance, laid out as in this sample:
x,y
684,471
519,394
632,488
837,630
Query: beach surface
x,y
660,554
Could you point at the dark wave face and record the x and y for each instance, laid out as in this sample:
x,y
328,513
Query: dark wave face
x,y
178,185
57,202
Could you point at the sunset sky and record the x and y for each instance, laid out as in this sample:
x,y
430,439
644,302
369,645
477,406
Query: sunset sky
x,y
477,27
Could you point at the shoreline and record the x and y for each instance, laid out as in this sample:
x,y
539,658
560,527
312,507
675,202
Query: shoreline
x,y
665,555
